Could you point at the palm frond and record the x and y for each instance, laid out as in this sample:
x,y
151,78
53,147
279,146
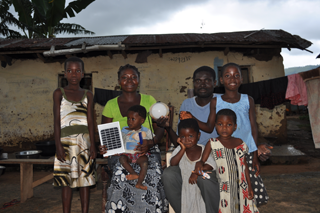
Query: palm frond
x,y
76,7
8,33
68,28
6,18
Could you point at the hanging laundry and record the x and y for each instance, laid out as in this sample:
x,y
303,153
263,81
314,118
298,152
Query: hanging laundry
x,y
251,89
313,88
297,91
268,93
102,96
273,92
312,81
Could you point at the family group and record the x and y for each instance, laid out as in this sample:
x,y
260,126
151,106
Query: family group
x,y
214,167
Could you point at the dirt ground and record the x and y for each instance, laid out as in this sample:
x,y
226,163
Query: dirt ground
x,y
292,183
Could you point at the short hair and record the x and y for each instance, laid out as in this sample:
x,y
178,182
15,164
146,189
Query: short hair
x,y
73,59
128,66
227,112
205,69
188,123
142,112
224,67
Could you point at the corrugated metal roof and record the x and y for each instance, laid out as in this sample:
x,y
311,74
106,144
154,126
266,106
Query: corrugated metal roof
x,y
259,37
36,43
97,41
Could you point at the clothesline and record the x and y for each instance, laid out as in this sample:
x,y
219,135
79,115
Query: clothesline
x,y
301,89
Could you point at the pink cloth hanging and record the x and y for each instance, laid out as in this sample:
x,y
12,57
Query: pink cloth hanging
x,y
296,90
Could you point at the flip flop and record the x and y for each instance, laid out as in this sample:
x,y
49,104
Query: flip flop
x,y
11,203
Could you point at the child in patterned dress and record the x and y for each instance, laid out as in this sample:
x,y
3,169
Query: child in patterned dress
x,y
74,163
236,194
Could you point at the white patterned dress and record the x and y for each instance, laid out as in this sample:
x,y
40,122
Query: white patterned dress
x,y
191,198
78,169
232,178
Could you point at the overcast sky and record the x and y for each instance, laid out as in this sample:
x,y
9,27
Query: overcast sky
x,y
123,17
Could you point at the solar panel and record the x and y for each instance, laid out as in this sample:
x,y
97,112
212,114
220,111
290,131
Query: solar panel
x,y
110,135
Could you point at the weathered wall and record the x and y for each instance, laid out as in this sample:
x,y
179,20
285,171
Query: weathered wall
x,y
27,86
272,123
26,102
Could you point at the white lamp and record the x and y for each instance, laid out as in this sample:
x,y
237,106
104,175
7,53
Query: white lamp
x,y
158,109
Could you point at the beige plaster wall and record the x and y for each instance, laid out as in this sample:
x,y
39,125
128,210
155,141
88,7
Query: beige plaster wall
x,y
27,87
272,123
26,102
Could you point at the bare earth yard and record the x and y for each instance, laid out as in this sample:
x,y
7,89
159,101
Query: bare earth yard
x,y
293,186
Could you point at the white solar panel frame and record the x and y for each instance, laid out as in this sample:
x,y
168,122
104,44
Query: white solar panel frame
x,y
102,128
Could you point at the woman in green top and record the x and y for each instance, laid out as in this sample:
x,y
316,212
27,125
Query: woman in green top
x,y
122,193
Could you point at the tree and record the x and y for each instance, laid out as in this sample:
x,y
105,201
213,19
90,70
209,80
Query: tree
x,y
42,18
6,18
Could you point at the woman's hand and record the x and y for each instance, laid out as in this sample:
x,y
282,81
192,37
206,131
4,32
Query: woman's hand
x,y
61,155
185,115
193,178
102,149
163,122
144,147
93,152
199,167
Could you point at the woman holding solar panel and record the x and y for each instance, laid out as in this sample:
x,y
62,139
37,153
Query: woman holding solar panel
x,y
122,193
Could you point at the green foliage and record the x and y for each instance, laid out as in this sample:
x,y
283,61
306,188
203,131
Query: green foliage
x,y
6,18
42,18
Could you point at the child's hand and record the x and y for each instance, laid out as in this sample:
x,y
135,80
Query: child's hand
x,y
255,164
102,149
142,148
183,147
199,167
250,193
193,178
185,115
264,151
93,152
61,155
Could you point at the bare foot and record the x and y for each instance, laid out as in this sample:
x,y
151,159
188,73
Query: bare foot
x,y
132,176
140,186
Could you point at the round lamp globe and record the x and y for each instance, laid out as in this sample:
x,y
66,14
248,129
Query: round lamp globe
x,y
158,109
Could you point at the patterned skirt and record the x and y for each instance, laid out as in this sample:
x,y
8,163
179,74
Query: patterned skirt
x,y
78,169
259,190
123,196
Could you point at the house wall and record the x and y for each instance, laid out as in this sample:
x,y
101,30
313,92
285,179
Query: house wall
x,y
27,87
26,102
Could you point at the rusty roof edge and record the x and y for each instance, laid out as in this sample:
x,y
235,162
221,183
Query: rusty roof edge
x,y
279,38
301,43
295,41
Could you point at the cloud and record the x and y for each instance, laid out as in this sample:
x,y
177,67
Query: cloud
x,y
109,17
